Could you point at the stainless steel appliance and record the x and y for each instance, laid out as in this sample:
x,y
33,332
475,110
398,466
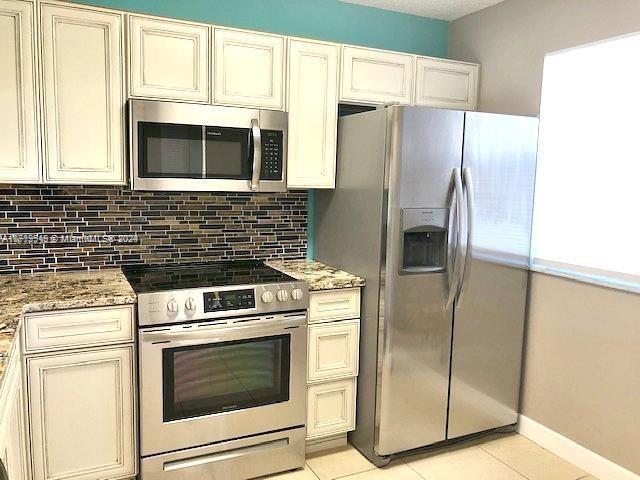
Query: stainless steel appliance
x,y
189,147
222,361
433,207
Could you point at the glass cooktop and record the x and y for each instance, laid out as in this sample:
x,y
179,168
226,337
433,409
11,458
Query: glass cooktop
x,y
155,278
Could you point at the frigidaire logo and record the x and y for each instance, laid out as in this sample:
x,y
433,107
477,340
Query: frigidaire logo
x,y
214,133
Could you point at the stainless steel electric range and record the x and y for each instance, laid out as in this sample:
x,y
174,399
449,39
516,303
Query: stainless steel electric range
x,y
222,362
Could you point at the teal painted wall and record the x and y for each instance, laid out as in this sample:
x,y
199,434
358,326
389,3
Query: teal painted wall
x,y
329,20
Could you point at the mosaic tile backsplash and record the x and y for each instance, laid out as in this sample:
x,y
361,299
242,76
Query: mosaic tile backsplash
x,y
70,227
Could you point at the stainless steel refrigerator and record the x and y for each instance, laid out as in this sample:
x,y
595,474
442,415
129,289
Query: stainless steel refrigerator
x,y
433,208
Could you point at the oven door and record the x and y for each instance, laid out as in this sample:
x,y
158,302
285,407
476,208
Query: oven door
x,y
221,380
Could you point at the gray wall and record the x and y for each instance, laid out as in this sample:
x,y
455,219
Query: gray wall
x,y
582,361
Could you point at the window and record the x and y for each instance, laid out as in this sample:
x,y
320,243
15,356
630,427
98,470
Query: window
x,y
587,205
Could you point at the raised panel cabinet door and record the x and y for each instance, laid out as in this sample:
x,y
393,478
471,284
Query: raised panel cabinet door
x,y
333,350
376,76
18,96
331,408
249,69
82,66
169,60
446,84
313,114
81,415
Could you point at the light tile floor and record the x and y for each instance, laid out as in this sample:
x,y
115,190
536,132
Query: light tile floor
x,y
502,457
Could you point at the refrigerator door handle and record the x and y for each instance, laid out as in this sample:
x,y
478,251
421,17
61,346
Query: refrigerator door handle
x,y
468,187
454,281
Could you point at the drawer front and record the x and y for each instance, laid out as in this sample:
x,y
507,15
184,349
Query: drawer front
x,y
331,408
334,305
78,328
333,350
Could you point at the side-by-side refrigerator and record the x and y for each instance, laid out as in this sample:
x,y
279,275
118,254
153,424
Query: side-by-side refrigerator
x,y
433,208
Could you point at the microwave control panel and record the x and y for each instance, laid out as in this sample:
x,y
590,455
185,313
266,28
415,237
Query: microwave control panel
x,y
272,146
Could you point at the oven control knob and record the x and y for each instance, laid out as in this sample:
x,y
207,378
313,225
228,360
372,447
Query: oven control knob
x,y
282,295
267,297
172,305
296,294
190,304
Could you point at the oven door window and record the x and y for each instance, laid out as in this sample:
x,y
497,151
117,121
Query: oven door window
x,y
169,150
228,151
221,377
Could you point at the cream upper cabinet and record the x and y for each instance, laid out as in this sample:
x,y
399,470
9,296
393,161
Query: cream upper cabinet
x,y
313,114
376,76
169,60
446,84
83,81
249,69
18,95
82,418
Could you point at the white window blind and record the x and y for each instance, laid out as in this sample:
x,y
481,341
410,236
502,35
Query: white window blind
x,y
587,202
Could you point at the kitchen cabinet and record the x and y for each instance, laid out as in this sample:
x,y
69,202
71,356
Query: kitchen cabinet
x,y
169,60
82,416
313,114
332,366
248,69
19,158
376,76
331,408
80,372
83,94
446,84
13,433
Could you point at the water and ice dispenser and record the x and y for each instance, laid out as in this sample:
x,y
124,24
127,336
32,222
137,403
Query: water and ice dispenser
x,y
424,242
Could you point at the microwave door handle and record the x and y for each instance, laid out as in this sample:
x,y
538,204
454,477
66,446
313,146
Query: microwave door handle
x,y
257,154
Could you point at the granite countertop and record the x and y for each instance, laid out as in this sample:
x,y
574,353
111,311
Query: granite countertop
x,y
56,291
318,275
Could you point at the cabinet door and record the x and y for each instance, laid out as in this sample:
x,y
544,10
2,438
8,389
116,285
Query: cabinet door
x,y
333,350
18,97
83,95
169,60
313,114
331,408
249,69
16,453
82,421
376,76
446,84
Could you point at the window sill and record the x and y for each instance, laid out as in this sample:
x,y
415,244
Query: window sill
x,y
590,279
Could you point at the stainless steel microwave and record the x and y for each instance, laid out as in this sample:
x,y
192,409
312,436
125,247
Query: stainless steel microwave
x,y
189,147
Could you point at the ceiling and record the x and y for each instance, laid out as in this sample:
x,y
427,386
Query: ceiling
x,y
441,9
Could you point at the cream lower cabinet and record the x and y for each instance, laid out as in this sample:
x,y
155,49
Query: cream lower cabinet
x,y
81,403
313,114
446,84
13,433
332,366
19,158
169,60
376,76
83,94
248,69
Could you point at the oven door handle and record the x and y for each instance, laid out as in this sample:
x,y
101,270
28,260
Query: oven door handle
x,y
257,154
216,334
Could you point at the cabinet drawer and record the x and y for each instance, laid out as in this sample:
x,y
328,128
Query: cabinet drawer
x,y
76,328
331,408
334,305
333,350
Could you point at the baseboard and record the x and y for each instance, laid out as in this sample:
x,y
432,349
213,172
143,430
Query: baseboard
x,y
326,443
581,457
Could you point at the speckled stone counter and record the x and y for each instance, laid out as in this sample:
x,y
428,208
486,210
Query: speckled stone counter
x,y
318,275
56,291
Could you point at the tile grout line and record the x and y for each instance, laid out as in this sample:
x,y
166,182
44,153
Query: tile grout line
x,y
413,469
311,469
502,462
